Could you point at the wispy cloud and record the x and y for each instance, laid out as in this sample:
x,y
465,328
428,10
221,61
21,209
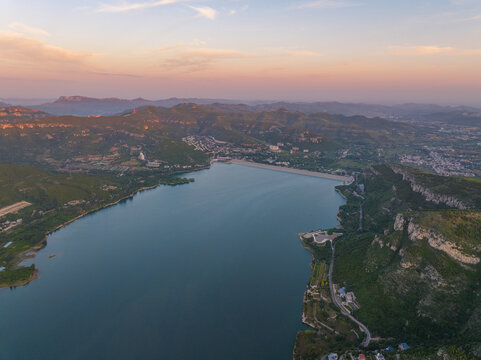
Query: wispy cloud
x,y
182,45
472,18
303,53
107,74
237,11
124,7
461,2
197,42
18,48
199,59
171,47
430,50
328,4
205,11
217,53
25,29
418,50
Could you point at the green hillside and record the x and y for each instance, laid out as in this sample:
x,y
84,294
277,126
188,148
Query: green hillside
x,y
412,259
19,183
414,265
466,190
346,142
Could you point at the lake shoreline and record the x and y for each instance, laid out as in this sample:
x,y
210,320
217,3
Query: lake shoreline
x,y
31,253
85,248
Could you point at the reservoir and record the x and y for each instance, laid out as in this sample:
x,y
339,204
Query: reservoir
x,y
209,270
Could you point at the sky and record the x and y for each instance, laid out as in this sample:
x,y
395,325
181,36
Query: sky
x,y
377,51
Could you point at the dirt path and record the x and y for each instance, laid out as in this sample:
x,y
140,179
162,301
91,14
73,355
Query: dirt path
x,y
13,208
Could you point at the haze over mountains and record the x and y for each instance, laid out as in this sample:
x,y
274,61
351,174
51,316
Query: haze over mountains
x,y
25,101
85,106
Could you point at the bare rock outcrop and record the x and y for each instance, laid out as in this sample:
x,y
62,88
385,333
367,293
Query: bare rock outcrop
x,y
399,222
428,194
437,241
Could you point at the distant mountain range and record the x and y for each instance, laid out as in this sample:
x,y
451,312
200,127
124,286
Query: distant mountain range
x,y
25,101
57,140
340,141
84,106
402,111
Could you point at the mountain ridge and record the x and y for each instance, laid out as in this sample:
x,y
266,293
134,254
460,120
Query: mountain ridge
x,y
84,106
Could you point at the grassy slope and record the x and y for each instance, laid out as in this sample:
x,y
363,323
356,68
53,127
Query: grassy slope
x,y
463,228
34,185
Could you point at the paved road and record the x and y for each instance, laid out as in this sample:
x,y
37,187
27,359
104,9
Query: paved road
x,y
338,303
360,217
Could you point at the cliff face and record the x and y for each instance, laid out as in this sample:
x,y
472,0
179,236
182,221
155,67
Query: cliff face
x,y
440,242
426,274
399,222
416,265
428,194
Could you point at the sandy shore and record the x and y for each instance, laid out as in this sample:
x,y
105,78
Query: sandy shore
x,y
347,179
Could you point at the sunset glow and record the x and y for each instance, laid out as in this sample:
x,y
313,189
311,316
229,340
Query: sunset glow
x,y
378,51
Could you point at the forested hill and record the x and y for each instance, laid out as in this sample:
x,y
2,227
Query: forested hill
x,y
415,265
332,142
34,138
8,113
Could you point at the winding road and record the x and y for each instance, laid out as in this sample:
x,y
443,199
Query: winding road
x,y
360,217
337,301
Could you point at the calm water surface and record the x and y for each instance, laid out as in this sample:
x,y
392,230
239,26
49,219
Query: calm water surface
x,y
208,270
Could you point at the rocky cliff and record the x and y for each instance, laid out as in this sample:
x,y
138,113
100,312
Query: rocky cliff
x,y
415,266
429,194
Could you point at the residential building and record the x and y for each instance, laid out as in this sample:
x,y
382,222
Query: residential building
x,y
350,297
